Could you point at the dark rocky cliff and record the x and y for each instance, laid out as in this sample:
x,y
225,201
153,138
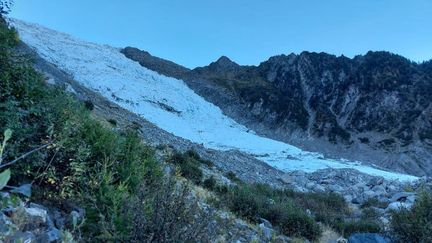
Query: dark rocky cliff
x,y
375,107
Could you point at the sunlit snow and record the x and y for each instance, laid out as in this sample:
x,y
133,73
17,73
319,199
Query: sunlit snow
x,y
168,102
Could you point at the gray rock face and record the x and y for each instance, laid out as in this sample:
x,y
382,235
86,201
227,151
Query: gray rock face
x,y
267,232
374,108
25,223
367,238
404,197
159,65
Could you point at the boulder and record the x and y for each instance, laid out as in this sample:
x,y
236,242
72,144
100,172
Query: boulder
x,y
53,235
403,197
369,194
327,181
379,190
287,179
266,223
21,237
360,187
318,188
37,215
398,205
367,238
310,185
375,181
341,240
267,232
335,188
6,226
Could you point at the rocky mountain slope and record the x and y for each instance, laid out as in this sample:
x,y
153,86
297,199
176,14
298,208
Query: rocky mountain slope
x,y
170,104
375,108
168,116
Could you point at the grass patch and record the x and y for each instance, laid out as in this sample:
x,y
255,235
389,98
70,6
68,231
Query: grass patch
x,y
347,228
374,202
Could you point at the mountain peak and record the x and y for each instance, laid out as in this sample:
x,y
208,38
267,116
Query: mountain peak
x,y
225,62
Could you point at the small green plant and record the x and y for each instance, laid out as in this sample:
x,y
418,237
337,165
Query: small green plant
x,y
232,176
4,175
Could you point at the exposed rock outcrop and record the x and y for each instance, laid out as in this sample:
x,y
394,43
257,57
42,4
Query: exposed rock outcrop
x,y
374,108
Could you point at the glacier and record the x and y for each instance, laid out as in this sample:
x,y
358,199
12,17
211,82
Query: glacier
x,y
169,103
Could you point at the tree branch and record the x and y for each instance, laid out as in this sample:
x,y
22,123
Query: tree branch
x,y
24,155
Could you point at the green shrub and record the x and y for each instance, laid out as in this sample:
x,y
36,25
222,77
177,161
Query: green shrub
x,y
261,201
328,208
361,226
294,222
192,172
232,176
370,214
89,105
112,122
192,154
415,224
86,164
374,202
168,213
189,165
210,183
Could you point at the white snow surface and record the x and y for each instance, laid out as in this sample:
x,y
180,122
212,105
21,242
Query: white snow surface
x,y
169,103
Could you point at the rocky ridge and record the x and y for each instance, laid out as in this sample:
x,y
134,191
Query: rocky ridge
x,y
374,108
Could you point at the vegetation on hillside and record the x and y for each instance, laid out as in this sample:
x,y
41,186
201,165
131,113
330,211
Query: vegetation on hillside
x,y
82,162
293,213
415,224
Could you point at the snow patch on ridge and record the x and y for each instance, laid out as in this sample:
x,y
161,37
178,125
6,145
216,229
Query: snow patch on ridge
x,y
169,103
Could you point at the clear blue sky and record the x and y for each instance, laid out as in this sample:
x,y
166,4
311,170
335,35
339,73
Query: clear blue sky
x,y
196,32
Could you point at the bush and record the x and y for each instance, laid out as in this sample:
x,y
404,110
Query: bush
x,y
189,165
112,122
414,225
210,183
361,226
232,176
374,202
168,213
261,201
89,105
328,208
195,156
370,214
